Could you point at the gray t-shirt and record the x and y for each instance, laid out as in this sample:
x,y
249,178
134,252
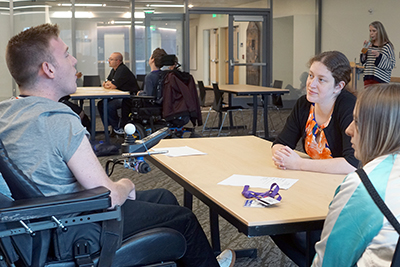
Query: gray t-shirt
x,y
40,136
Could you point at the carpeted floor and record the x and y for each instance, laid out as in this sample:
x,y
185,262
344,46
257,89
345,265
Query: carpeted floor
x,y
268,253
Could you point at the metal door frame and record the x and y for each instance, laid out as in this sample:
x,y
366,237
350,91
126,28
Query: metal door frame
x,y
266,65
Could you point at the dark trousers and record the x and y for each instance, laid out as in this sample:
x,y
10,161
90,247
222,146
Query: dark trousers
x,y
159,208
295,245
112,113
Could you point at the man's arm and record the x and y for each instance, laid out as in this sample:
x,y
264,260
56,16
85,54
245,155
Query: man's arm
x,y
88,171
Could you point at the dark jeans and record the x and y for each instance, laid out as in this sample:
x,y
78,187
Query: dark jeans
x,y
113,106
295,245
159,208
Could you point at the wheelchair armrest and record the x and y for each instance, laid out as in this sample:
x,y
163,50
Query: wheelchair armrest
x,y
144,97
151,246
88,200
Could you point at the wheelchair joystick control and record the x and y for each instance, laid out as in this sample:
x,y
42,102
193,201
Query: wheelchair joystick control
x,y
129,131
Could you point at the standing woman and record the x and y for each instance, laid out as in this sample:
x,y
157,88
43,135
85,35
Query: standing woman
x,y
355,231
379,59
320,119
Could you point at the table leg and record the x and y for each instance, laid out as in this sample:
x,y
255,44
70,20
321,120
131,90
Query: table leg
x,y
230,100
255,106
187,199
93,120
266,130
105,116
214,229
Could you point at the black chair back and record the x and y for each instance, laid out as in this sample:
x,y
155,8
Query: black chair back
x,y
218,98
202,91
277,99
32,250
91,80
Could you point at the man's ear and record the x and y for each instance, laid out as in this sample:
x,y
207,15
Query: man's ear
x,y
48,69
339,87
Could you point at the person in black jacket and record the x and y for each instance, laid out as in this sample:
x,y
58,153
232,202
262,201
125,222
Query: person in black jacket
x,y
320,119
121,78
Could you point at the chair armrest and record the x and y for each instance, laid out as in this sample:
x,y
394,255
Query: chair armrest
x,y
144,97
150,247
88,200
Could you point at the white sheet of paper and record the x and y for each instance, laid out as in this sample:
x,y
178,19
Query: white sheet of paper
x,y
180,151
258,181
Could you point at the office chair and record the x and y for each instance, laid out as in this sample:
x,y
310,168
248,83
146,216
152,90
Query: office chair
x,y
220,109
76,229
91,80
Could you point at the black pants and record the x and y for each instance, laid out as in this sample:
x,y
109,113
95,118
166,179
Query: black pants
x,y
159,208
295,245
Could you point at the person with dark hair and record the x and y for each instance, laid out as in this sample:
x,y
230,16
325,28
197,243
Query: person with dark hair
x,y
377,55
355,231
320,119
47,141
121,78
151,79
150,83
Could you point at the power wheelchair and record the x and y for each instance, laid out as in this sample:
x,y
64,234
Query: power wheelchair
x,y
75,229
148,112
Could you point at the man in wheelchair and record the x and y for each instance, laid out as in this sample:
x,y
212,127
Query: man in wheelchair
x,y
46,140
169,98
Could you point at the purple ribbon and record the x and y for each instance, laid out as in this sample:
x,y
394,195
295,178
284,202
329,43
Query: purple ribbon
x,y
272,192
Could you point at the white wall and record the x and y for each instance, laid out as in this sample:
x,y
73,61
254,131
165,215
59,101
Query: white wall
x,y
345,25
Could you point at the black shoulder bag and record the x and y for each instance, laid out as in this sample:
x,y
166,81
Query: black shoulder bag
x,y
384,209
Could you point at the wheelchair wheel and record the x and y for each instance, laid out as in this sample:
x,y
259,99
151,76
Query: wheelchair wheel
x,y
140,132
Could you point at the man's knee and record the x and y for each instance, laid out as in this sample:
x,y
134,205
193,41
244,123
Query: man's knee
x,y
167,197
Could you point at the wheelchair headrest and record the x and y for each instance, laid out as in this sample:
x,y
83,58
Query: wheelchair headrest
x,y
169,60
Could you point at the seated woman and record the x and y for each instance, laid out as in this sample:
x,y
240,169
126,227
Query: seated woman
x,y
355,231
320,119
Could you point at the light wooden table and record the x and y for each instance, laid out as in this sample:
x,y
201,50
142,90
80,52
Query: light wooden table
x,y
303,207
93,93
255,91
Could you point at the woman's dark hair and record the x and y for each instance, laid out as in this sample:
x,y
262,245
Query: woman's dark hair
x,y
337,63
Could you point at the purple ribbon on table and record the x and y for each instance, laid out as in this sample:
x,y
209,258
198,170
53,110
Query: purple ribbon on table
x,y
272,192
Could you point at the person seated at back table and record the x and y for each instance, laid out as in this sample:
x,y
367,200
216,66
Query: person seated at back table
x,y
355,231
47,141
121,78
151,79
320,119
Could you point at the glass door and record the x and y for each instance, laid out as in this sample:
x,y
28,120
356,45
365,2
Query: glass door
x,y
249,49
164,31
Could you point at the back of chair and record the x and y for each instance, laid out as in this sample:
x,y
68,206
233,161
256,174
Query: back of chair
x,y
202,91
20,185
32,250
218,98
277,99
91,80
277,84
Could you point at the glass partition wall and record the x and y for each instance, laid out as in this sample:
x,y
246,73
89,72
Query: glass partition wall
x,y
100,27
214,49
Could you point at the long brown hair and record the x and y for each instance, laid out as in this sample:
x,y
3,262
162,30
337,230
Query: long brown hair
x,y
382,36
377,119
